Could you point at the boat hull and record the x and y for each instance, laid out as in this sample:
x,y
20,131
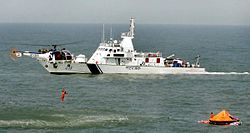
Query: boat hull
x,y
234,123
63,67
103,68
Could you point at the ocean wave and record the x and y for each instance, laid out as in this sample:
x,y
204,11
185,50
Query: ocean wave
x,y
25,123
68,122
226,73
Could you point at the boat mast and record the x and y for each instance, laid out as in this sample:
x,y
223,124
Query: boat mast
x,y
131,32
127,37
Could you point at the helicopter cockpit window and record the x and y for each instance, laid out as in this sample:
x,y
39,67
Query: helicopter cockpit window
x,y
58,55
67,55
62,55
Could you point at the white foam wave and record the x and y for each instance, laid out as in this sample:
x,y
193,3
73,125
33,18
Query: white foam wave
x,y
25,123
93,119
226,73
75,121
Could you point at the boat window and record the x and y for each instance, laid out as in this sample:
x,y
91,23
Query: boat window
x,y
158,60
120,55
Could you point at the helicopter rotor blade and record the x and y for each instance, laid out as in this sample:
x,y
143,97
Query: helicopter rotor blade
x,y
22,43
14,53
75,42
54,45
50,44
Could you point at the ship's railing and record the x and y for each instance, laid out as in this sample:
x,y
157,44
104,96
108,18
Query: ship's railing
x,y
150,54
129,54
110,44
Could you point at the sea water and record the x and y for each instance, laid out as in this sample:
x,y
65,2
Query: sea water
x,y
30,96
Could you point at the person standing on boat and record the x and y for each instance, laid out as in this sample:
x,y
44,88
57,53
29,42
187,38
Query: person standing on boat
x,y
64,92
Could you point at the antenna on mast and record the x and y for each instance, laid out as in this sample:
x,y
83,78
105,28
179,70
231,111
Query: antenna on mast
x,y
131,32
111,34
103,33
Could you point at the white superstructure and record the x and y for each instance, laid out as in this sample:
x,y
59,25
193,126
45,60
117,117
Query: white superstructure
x,y
119,56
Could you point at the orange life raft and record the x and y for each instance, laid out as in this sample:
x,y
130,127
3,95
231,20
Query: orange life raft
x,y
223,118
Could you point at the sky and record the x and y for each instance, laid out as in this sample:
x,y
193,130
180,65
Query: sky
x,y
211,12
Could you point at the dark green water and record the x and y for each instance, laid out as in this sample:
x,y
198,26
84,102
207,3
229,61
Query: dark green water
x,y
30,96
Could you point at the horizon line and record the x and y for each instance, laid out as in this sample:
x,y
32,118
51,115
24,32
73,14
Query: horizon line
x,y
201,24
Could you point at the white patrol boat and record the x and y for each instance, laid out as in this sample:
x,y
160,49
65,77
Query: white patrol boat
x,y
120,57
56,61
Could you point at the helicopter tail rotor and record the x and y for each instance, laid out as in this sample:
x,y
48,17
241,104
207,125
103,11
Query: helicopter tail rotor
x,y
14,54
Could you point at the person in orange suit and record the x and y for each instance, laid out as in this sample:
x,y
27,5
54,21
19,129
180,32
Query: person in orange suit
x,y
64,92
211,115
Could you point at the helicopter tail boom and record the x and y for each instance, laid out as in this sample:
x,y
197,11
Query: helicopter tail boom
x,y
14,54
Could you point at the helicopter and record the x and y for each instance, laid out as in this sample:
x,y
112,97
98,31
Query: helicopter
x,y
54,60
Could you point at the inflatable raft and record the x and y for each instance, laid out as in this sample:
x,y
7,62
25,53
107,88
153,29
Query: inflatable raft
x,y
222,118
